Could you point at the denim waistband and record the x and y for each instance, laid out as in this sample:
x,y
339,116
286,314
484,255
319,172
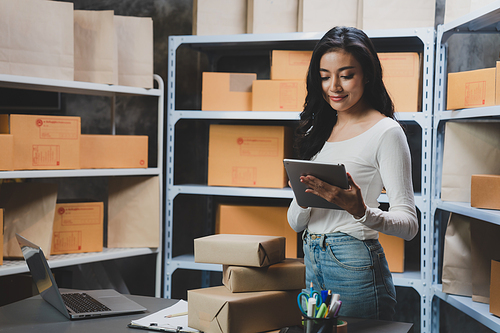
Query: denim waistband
x,y
335,238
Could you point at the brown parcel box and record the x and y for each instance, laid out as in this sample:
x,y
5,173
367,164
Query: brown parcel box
x,y
471,89
278,95
394,249
227,91
113,151
290,65
44,142
401,75
217,310
495,288
257,220
6,157
289,274
249,156
78,228
485,191
239,250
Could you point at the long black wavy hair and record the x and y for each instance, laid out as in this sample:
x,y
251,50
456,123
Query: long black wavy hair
x,y
318,118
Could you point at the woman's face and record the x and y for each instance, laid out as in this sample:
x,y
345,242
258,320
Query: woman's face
x,y
342,80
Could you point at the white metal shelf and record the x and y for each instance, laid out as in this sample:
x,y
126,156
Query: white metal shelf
x,y
78,173
464,208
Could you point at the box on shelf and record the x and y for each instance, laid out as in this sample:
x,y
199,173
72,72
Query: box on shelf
x,y
495,288
264,16
7,155
257,220
134,212
78,227
290,65
113,151
458,8
278,95
248,156
44,142
471,89
217,310
394,249
397,14
322,15
485,191
289,274
227,91
239,250
219,17
402,78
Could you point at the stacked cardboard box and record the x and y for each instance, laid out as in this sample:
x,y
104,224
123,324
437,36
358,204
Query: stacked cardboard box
x,y
394,249
258,283
227,91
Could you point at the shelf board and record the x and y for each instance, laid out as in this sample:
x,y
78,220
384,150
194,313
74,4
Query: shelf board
x,y
476,310
62,260
72,87
78,173
486,111
464,208
231,191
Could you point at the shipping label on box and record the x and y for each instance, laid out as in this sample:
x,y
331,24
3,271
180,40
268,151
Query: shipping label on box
x,y
227,91
471,89
257,220
289,274
240,250
495,288
113,151
278,95
485,191
394,249
7,155
402,79
216,309
219,17
290,65
249,156
78,228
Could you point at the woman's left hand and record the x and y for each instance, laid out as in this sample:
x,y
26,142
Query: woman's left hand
x,y
350,199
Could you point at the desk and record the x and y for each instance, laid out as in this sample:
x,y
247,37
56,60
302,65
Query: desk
x,y
35,315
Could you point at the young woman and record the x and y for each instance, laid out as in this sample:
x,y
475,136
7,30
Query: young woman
x,y
348,119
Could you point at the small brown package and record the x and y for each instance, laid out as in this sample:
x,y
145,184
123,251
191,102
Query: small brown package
x,y
289,274
239,250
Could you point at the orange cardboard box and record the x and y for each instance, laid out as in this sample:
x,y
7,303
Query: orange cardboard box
x,y
227,91
394,249
402,79
7,155
290,65
248,156
78,228
1,236
44,142
257,220
113,151
278,95
495,288
471,89
485,191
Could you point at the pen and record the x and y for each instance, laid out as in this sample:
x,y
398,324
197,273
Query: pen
x,y
176,315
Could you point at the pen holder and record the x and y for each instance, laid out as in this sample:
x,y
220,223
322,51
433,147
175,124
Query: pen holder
x,y
324,325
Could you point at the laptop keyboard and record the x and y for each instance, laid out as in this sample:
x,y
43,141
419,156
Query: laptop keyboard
x,y
81,302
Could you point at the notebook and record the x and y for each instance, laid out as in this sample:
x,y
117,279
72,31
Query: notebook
x,y
74,305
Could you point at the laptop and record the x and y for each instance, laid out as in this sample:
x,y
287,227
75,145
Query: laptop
x,y
74,305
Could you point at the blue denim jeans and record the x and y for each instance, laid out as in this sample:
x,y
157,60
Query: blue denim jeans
x,y
355,269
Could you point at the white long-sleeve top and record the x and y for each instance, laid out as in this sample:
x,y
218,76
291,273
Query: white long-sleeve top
x,y
377,158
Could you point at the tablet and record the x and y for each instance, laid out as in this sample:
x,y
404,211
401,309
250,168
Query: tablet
x,y
333,174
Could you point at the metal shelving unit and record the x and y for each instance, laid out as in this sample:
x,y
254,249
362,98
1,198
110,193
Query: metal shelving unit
x,y
10,267
405,40
482,21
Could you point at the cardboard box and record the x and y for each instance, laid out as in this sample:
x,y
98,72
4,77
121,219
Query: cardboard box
x,y
264,16
495,288
402,78
289,274
394,249
113,151
278,95
257,220
485,191
7,155
227,91
239,250
78,228
250,156
322,15
44,142
218,310
219,17
290,65
471,89
397,14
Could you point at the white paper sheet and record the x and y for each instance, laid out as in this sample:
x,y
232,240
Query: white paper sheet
x,y
161,322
